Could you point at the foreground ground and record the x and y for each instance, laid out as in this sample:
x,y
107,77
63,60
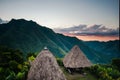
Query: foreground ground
x,y
78,76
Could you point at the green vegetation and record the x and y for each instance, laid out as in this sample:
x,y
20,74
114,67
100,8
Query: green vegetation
x,y
107,50
12,64
116,63
108,71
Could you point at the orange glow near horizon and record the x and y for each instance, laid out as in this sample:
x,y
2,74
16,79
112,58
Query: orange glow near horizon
x,y
93,37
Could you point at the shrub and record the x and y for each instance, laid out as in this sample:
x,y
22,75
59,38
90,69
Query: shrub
x,y
11,76
20,75
116,63
59,61
105,73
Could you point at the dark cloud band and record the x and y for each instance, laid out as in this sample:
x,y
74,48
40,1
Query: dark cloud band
x,y
98,30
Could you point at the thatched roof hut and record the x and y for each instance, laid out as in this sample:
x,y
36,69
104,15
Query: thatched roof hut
x,y
76,59
45,67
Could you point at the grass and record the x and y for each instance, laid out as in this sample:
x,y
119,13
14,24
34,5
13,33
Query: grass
x,y
78,76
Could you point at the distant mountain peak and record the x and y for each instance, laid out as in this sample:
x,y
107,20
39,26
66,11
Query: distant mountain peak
x,y
22,21
19,20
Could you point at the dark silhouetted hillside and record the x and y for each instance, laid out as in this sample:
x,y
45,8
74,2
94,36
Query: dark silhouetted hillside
x,y
30,37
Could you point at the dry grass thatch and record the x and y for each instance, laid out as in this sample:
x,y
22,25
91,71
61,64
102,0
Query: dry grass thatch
x,y
45,67
76,59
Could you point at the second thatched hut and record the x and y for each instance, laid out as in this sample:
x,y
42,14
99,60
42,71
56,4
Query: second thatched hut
x,y
76,59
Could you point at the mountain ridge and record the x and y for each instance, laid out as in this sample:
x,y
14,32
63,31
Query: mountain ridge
x,y
30,37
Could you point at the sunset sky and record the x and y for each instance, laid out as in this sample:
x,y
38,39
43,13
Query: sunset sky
x,y
85,19
94,38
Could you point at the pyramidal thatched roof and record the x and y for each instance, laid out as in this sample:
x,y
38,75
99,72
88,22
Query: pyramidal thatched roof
x,y
45,67
76,59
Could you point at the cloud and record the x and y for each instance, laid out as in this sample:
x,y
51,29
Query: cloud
x,y
97,30
3,21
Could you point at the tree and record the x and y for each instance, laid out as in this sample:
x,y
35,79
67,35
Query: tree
x,y
116,63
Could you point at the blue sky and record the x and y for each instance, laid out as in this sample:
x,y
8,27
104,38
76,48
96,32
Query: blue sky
x,y
63,13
